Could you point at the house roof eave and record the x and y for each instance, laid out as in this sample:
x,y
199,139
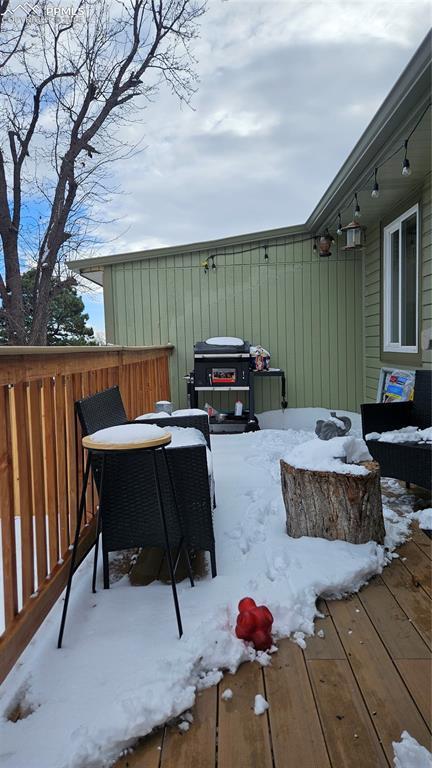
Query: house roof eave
x,y
405,102
95,264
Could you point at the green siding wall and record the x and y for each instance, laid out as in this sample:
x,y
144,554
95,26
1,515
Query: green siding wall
x,y
307,311
372,278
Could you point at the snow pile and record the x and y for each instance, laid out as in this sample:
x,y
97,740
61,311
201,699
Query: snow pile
x,y
123,671
336,455
403,435
182,436
260,705
128,433
227,694
225,341
424,518
305,419
408,753
397,528
181,412
153,416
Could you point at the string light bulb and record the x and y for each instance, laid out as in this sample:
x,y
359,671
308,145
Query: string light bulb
x,y
357,212
213,264
314,247
375,190
406,168
339,230
266,256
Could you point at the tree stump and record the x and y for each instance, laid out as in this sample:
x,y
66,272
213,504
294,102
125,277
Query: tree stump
x,y
333,505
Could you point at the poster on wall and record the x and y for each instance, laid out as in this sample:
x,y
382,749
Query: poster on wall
x,y
395,386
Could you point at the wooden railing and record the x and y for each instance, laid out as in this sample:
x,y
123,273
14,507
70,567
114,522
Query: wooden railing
x,y
41,467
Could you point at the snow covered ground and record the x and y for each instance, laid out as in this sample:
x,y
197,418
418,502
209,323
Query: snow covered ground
x,y
408,753
123,670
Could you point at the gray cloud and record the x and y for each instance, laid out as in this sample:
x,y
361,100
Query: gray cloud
x,y
286,90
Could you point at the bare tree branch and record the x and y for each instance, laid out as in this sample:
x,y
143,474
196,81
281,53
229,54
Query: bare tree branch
x,y
67,87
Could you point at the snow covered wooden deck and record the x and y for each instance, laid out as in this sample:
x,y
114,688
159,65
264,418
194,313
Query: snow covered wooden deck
x,y
340,702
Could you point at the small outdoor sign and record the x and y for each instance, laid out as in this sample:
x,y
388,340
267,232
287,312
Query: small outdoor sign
x,y
395,386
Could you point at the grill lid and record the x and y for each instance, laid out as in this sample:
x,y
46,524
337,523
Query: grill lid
x,y
203,348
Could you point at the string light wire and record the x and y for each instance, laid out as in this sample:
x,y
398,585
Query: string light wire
x,y
353,200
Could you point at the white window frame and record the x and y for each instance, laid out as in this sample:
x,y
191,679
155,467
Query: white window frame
x,y
396,226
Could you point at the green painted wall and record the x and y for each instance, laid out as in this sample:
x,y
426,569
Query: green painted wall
x,y
307,311
372,279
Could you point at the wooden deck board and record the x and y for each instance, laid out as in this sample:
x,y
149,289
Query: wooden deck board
x,y
294,722
197,747
147,753
422,540
348,730
329,646
417,676
243,736
418,564
386,697
412,599
338,703
395,629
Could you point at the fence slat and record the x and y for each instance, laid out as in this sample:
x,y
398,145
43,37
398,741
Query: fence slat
x,y
41,467
7,511
77,395
37,476
23,486
72,469
60,441
50,469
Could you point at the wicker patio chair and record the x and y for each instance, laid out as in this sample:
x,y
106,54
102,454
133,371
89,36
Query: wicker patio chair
x,y
187,467
129,486
411,462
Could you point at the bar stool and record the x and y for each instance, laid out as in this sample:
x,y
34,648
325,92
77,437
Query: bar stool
x,y
99,455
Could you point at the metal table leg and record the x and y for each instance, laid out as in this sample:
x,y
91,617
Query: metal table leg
x,y
183,543
167,544
284,403
74,550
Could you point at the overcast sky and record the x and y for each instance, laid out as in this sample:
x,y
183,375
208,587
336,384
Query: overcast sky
x,y
286,89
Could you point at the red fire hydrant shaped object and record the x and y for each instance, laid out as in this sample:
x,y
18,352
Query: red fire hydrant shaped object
x,y
254,623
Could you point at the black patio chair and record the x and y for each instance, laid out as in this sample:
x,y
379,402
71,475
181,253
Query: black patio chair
x,y
136,524
129,485
194,421
411,462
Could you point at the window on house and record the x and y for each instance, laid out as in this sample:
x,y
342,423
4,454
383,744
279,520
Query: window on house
x,y
401,283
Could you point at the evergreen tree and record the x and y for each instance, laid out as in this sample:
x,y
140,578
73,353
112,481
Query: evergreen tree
x,y
67,321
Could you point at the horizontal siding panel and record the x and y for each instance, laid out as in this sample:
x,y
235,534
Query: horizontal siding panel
x,y
427,296
427,268
427,239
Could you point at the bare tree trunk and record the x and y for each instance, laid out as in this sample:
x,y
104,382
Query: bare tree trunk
x,y
11,293
333,505
89,68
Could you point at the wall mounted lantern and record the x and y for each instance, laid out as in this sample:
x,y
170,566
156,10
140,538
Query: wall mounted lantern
x,y
325,243
354,236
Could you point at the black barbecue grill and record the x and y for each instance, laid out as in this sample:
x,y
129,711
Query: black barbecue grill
x,y
221,367
228,368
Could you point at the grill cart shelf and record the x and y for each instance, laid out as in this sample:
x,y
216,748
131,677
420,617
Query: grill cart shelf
x,y
229,368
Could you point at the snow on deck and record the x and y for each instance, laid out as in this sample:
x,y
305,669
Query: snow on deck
x,y
122,670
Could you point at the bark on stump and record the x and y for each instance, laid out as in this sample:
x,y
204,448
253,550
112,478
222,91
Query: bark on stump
x,y
333,505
